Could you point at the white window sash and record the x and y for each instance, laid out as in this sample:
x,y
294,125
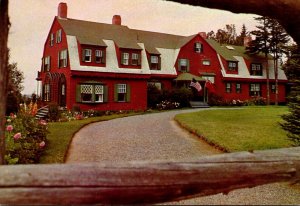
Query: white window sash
x,y
135,56
122,88
98,53
183,62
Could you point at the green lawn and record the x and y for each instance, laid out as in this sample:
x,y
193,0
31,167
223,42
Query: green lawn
x,y
61,133
248,128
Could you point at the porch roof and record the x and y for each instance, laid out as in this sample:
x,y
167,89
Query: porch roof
x,y
188,77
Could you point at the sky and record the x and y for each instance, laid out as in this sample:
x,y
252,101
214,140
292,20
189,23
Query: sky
x,y
31,21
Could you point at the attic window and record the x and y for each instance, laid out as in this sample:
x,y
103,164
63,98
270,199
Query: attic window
x,y
87,55
230,47
51,39
134,59
198,47
58,36
99,57
125,58
232,66
154,62
183,65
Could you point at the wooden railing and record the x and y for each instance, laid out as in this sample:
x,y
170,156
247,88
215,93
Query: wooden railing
x,y
145,182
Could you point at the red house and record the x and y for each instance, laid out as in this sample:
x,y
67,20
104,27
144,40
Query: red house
x,y
108,66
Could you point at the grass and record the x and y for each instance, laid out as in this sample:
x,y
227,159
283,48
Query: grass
x,y
61,134
249,128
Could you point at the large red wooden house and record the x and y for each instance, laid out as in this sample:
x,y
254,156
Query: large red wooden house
x,y
108,66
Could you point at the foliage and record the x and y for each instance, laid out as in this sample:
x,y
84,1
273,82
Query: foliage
x,y
54,113
250,128
167,105
291,120
154,96
25,137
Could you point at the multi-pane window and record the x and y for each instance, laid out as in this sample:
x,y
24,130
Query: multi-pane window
x,y
228,88
58,36
273,88
256,70
47,92
198,47
232,66
154,62
51,39
99,92
121,90
99,56
91,93
255,90
63,58
87,55
47,63
134,59
183,65
238,88
125,58
206,62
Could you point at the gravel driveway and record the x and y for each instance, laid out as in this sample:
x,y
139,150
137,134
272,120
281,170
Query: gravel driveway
x,y
158,137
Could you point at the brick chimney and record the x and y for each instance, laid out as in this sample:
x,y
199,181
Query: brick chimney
x,y
62,10
116,20
203,35
247,41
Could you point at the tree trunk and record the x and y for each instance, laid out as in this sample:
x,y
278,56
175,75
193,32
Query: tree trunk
x,y
4,27
268,79
282,10
276,78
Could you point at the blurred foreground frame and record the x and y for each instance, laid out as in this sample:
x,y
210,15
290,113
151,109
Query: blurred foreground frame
x,y
150,182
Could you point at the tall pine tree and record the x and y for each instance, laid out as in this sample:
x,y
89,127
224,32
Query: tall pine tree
x,y
261,44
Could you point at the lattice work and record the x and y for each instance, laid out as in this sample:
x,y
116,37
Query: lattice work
x,y
98,89
86,89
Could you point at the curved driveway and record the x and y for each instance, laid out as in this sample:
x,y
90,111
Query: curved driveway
x,y
157,137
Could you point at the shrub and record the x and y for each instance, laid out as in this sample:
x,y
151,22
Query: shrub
x,y
54,113
25,137
154,96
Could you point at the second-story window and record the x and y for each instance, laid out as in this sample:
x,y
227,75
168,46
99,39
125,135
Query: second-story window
x,y
87,55
198,47
125,58
51,39
154,62
134,59
99,57
183,65
63,58
58,36
47,63
232,66
256,70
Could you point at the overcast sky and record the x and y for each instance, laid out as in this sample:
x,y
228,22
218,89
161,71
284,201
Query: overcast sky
x,y
31,21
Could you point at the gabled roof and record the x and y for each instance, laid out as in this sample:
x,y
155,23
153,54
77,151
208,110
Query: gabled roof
x,y
229,51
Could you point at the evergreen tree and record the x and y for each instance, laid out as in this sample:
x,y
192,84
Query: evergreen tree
x,y
278,41
292,123
261,44
243,34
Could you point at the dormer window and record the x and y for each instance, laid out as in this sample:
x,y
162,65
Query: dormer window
x,y
134,59
198,47
125,58
154,62
99,57
232,66
58,36
87,55
183,65
51,39
256,70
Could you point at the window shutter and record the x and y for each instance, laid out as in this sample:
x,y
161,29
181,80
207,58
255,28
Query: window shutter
x,y
43,64
83,55
122,57
49,62
195,47
201,48
116,93
179,66
159,63
78,93
105,93
128,93
58,59
139,59
67,58
187,65
103,56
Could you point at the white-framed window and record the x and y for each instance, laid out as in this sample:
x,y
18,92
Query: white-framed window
x,y
255,90
63,58
198,47
228,88
99,56
232,66
87,55
154,62
209,78
58,36
86,91
134,59
47,92
125,58
273,88
51,39
256,69
121,92
206,62
63,89
47,63
238,88
184,65
99,93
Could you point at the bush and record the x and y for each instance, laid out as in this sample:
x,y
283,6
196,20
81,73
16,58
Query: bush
x,y
25,137
256,101
154,96
54,113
